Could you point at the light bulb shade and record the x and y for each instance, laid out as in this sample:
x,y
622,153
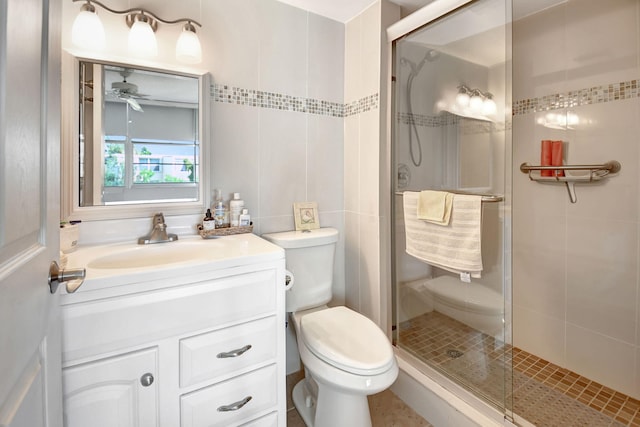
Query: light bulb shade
x,y
188,49
489,107
142,40
475,103
462,99
87,31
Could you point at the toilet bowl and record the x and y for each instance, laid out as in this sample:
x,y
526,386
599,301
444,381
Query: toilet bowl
x,y
473,304
346,357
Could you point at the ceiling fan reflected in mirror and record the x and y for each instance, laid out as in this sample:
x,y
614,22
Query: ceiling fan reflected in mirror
x,y
126,91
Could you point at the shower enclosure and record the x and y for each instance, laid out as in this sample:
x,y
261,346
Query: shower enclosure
x,y
451,132
550,332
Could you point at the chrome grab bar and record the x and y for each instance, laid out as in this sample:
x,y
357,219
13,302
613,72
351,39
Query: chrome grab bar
x,y
612,166
595,173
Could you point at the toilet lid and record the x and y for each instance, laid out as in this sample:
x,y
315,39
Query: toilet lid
x,y
347,340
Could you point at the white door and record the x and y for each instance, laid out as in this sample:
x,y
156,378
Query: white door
x,y
30,380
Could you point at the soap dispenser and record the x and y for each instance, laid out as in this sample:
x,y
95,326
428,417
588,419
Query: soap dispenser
x,y
220,211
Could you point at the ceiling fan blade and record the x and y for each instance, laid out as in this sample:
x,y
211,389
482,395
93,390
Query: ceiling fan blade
x,y
134,104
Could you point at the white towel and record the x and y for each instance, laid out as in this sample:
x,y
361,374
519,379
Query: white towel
x,y
435,206
455,247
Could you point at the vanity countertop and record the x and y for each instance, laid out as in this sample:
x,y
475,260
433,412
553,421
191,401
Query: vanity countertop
x,y
189,258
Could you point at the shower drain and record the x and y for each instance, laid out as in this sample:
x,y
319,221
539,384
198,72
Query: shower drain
x,y
454,354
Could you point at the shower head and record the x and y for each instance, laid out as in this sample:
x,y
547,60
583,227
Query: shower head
x,y
432,55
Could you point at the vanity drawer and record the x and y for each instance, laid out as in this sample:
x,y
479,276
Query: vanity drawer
x,y
116,323
244,397
270,420
227,351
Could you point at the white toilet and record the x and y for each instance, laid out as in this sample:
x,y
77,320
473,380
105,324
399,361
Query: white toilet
x,y
346,356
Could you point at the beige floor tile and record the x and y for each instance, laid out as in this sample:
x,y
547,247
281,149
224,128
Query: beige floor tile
x,y
387,410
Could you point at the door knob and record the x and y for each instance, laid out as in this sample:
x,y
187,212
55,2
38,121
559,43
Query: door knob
x,y
73,277
146,380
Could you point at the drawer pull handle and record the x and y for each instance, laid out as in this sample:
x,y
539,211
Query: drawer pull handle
x,y
234,353
235,406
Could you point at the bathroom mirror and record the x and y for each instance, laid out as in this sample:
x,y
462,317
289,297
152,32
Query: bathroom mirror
x,y
133,140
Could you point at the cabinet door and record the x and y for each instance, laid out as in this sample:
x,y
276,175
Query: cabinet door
x,y
115,392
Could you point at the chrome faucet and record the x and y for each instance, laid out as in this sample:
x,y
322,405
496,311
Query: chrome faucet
x,y
158,233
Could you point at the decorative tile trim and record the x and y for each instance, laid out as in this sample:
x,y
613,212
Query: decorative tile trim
x,y
467,126
362,105
258,98
423,120
576,98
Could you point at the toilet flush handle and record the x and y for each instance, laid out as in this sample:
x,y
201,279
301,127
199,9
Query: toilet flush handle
x,y
288,280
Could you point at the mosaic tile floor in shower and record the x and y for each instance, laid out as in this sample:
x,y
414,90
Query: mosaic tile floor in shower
x,y
543,393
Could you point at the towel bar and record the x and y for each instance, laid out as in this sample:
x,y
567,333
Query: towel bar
x,y
486,198
594,173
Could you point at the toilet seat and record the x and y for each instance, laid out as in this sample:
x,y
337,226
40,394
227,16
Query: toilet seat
x,y
346,340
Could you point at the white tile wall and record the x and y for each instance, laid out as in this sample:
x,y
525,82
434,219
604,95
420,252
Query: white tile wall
x,y
362,168
284,49
231,49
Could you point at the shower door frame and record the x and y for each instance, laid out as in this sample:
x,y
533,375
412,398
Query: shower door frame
x,y
407,361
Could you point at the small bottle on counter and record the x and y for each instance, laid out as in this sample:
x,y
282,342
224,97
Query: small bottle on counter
x,y
245,218
235,209
220,212
208,223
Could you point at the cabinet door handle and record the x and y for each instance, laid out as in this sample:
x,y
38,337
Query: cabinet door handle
x,y
234,353
146,380
234,406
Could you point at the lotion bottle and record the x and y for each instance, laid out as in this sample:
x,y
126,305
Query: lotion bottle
x,y
235,209
245,218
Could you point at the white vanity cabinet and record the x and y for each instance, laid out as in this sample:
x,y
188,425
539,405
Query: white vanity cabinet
x,y
192,347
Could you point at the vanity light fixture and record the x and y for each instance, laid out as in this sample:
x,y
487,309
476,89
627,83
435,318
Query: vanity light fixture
x,y
462,98
88,33
475,101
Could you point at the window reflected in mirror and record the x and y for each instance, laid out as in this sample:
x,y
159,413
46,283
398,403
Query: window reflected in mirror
x,y
138,136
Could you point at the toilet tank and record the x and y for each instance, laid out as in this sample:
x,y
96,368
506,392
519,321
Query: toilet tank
x,y
309,257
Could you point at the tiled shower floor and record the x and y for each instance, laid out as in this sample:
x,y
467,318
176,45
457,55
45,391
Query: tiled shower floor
x,y
543,393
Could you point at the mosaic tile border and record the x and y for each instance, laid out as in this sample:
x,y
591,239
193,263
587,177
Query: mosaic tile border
x,y
262,99
575,98
467,126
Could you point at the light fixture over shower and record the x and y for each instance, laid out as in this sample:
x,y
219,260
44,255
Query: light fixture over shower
x,y
475,101
88,32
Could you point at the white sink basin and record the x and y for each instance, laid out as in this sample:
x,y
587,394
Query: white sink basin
x,y
115,264
157,254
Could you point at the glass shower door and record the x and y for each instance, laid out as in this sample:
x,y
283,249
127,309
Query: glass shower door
x,y
451,133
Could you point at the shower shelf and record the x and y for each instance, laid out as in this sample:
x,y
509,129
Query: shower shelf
x,y
573,174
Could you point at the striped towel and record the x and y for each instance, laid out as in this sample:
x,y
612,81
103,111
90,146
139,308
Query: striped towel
x,y
455,247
